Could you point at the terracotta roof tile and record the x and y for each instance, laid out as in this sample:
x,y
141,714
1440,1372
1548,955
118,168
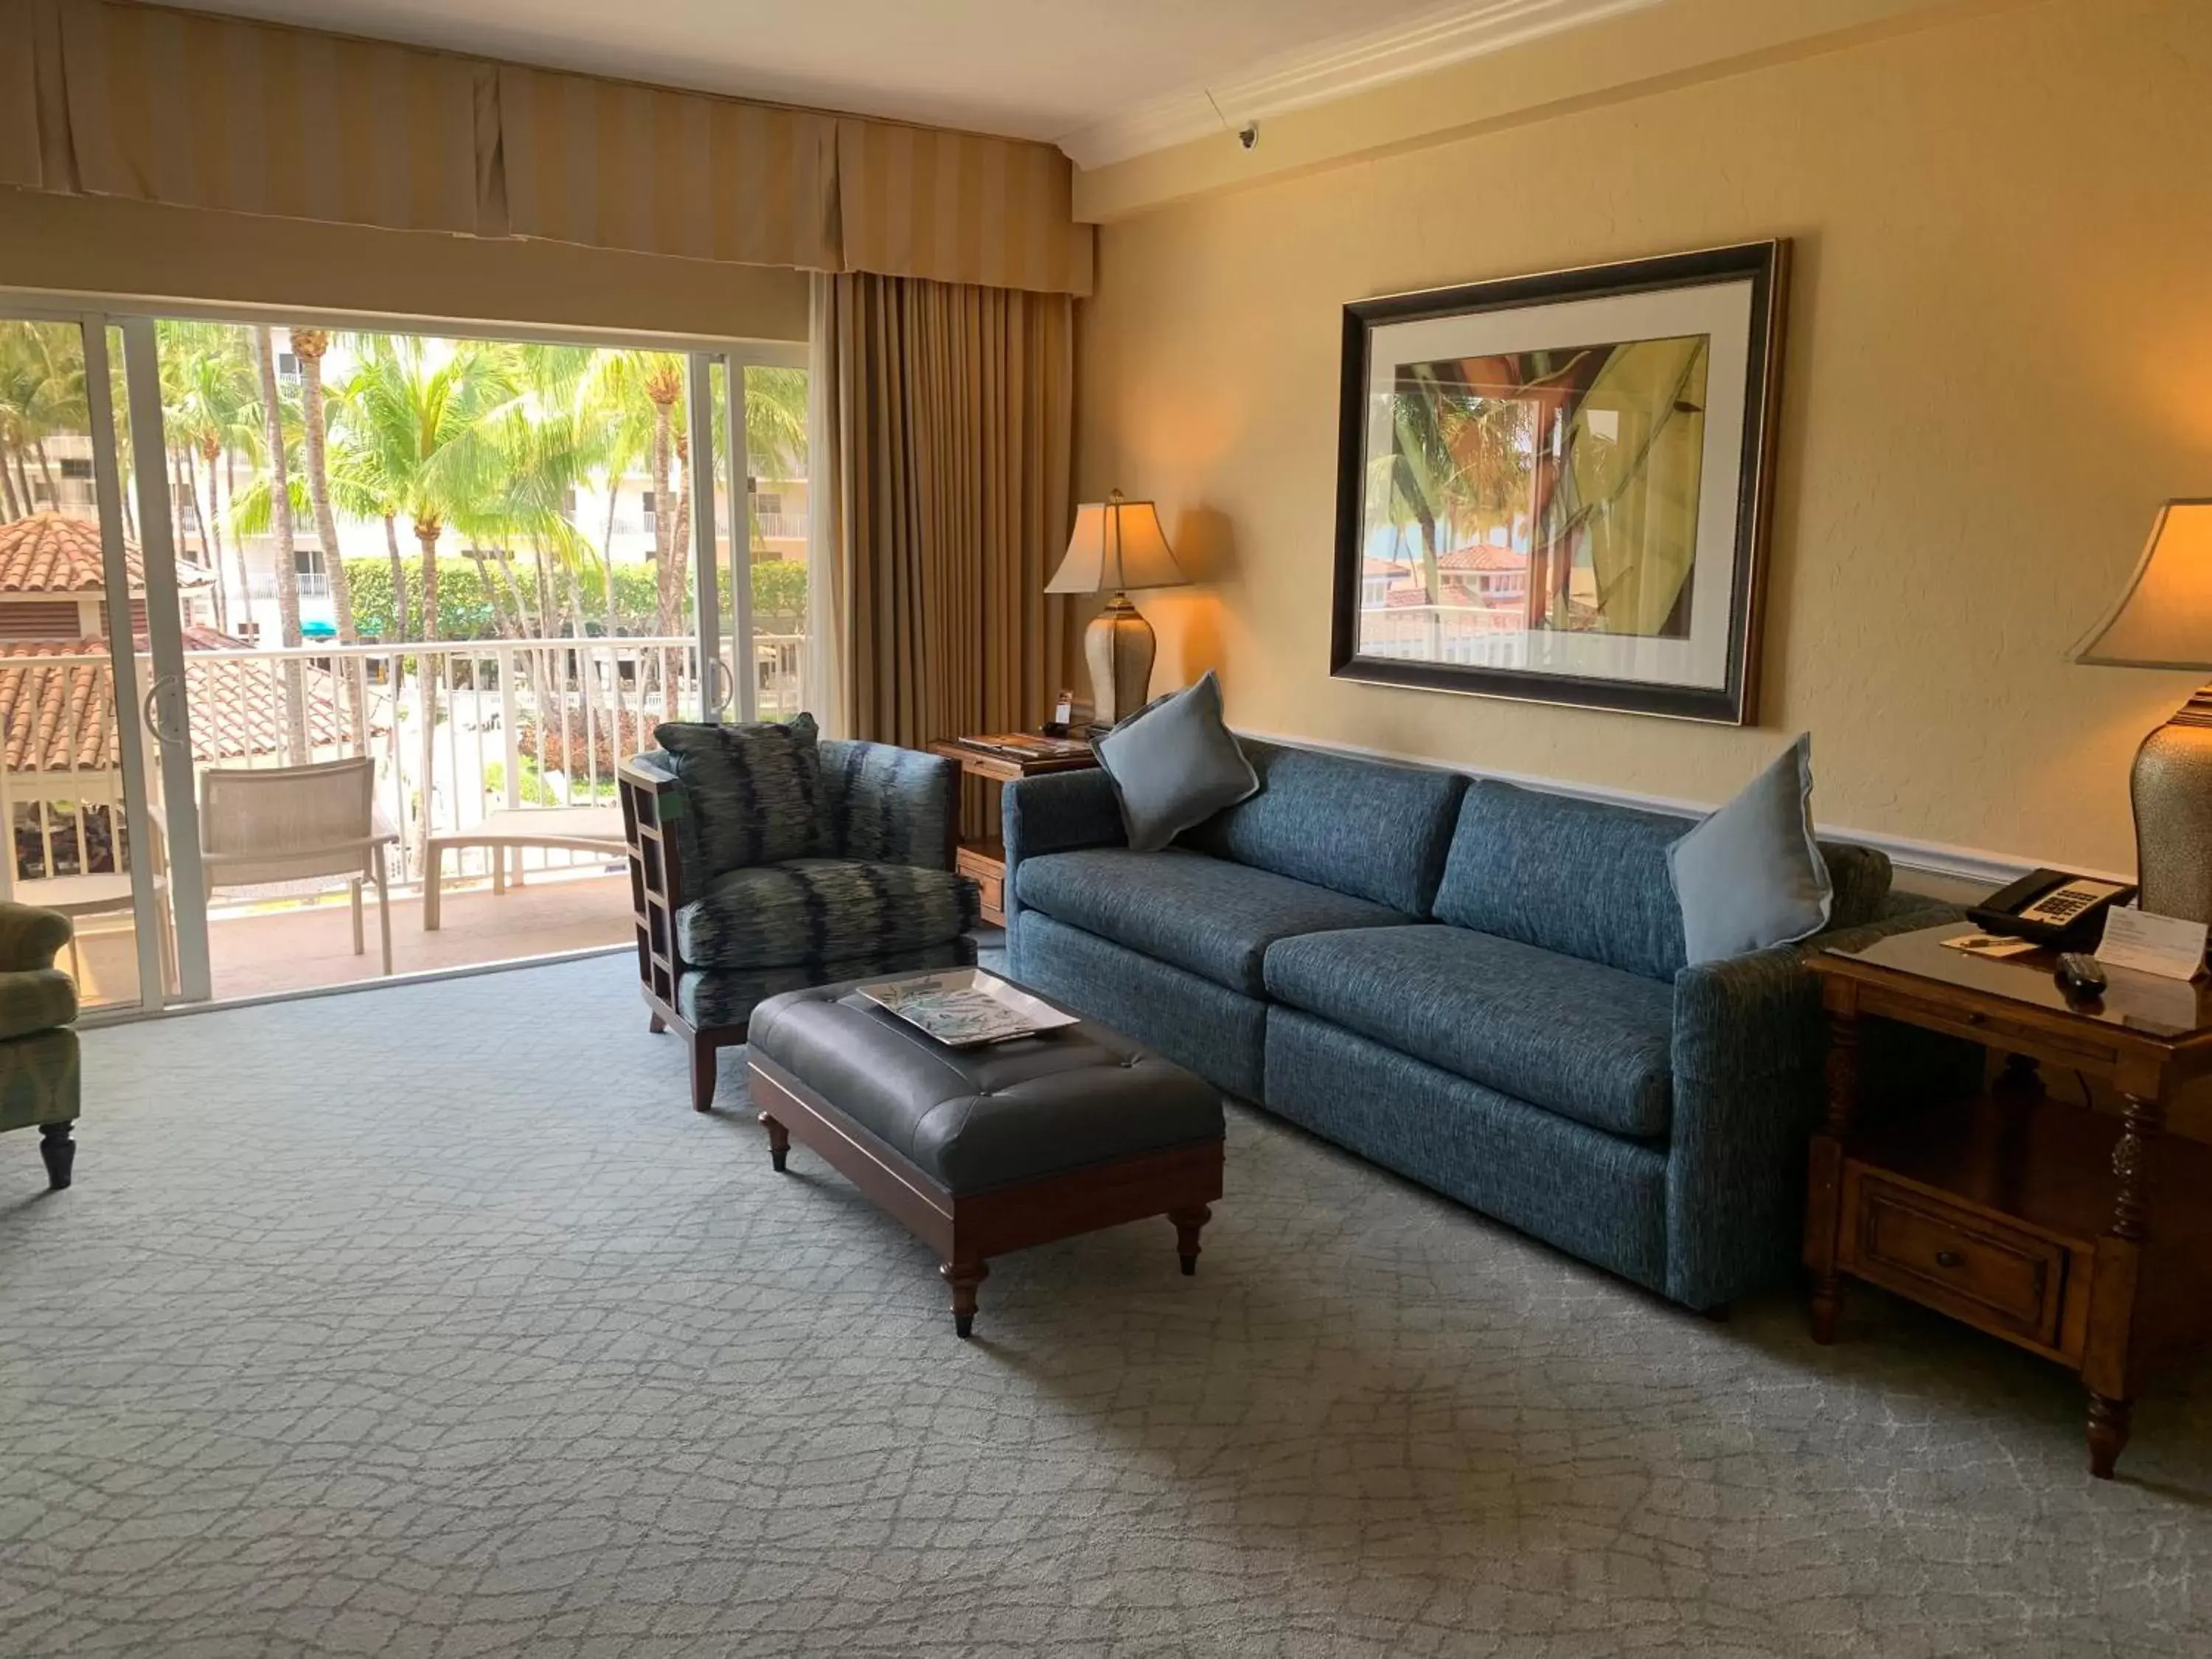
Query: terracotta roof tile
x,y
59,717
47,553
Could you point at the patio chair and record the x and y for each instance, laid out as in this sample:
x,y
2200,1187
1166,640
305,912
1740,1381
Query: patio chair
x,y
39,1079
294,823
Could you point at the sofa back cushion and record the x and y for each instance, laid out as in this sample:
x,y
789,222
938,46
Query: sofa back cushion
x,y
1578,877
1365,827
1589,879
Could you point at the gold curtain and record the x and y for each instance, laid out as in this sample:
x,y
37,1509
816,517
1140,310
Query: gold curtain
x,y
614,165
203,111
195,111
958,208
946,421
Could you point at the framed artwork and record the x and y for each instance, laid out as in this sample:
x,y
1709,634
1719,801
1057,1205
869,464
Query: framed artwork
x,y
1557,488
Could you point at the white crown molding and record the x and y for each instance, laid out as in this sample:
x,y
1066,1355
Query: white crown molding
x,y
1335,70
1972,866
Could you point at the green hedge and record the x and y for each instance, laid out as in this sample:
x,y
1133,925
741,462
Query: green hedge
x,y
465,612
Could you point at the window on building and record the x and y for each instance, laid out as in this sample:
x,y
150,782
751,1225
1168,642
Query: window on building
x,y
645,503
73,467
314,578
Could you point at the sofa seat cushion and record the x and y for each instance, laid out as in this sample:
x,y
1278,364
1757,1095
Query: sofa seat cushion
x,y
1577,1038
1207,916
816,910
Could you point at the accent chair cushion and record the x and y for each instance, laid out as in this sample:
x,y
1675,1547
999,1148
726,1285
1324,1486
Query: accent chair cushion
x,y
803,910
1577,1038
755,790
1751,876
1214,918
1371,828
1175,764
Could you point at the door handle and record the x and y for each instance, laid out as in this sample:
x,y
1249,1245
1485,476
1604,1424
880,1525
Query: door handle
x,y
154,706
718,670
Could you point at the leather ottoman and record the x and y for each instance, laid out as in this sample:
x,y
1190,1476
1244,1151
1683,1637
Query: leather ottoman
x,y
983,1151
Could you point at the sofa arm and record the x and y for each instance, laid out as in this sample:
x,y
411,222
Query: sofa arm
x,y
1057,812
890,804
1750,1046
34,999
31,937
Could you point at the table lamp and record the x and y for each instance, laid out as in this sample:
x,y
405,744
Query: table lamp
x,y
1118,544
2164,620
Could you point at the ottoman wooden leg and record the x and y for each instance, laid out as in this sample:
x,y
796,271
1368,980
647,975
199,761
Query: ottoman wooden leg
x,y
963,1277
1187,1224
778,1140
59,1153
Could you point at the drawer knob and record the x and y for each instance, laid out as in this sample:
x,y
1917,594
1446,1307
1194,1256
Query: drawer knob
x,y
1949,1259
1975,1017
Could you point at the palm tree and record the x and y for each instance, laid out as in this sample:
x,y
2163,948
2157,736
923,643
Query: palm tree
x,y
308,345
42,393
414,414
212,410
280,520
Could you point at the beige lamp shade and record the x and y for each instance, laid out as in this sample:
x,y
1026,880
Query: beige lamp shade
x,y
1117,544
2164,618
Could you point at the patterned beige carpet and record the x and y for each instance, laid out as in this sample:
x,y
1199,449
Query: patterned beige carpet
x,y
429,1321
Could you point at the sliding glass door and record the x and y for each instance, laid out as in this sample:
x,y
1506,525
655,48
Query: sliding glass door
x,y
91,658
474,574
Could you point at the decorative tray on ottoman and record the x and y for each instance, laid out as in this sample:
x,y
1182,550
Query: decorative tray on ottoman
x,y
966,1007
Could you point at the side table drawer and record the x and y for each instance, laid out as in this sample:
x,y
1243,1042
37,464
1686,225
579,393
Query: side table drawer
x,y
1961,1261
986,865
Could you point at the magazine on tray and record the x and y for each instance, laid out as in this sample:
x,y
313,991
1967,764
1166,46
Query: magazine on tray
x,y
966,1007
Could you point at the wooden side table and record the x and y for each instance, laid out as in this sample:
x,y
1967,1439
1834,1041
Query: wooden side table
x,y
985,859
2070,1220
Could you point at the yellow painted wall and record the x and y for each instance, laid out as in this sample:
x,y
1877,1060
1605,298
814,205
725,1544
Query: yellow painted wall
x,y
1999,363
112,246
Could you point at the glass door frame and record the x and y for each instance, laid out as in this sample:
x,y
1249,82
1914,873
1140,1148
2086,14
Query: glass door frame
x,y
162,704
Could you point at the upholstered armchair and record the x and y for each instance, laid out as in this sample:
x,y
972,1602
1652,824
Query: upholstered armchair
x,y
39,1079
762,860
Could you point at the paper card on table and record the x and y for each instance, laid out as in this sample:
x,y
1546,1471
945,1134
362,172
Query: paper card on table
x,y
2165,946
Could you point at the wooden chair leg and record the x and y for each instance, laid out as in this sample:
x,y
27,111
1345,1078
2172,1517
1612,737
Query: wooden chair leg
x,y
706,1071
59,1151
655,1024
353,895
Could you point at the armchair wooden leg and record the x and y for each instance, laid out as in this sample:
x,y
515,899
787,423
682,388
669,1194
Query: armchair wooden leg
x,y
59,1151
706,1071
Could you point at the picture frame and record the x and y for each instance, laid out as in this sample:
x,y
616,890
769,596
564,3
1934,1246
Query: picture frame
x,y
1558,487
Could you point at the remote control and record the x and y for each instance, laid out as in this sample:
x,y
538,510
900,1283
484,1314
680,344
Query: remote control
x,y
2081,976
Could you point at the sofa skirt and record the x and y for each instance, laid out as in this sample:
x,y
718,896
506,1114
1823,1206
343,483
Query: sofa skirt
x,y
1201,1026
1593,1195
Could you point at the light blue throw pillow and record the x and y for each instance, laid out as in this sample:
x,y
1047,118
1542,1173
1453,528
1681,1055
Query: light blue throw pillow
x,y
1175,763
1752,876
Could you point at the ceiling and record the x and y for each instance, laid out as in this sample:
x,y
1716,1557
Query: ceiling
x,y
1031,69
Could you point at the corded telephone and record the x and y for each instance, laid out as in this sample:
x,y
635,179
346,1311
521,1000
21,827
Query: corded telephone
x,y
2052,907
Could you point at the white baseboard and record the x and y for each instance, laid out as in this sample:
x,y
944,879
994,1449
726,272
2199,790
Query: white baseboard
x,y
1971,866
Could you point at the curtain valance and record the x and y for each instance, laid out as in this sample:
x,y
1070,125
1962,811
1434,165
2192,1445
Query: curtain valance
x,y
110,98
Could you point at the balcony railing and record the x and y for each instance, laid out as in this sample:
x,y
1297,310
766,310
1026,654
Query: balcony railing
x,y
512,723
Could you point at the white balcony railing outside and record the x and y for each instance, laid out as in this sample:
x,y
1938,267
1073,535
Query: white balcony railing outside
x,y
513,723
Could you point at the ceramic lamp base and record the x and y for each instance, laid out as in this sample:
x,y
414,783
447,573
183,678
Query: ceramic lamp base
x,y
2172,791
1119,645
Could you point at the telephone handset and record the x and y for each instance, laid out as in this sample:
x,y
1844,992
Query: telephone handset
x,y
2051,907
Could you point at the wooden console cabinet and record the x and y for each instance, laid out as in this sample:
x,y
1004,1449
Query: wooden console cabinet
x,y
2063,1208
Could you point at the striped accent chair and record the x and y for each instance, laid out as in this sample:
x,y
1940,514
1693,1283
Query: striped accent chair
x,y
764,859
39,1070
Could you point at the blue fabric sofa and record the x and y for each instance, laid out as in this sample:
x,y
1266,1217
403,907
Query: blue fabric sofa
x,y
1479,986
